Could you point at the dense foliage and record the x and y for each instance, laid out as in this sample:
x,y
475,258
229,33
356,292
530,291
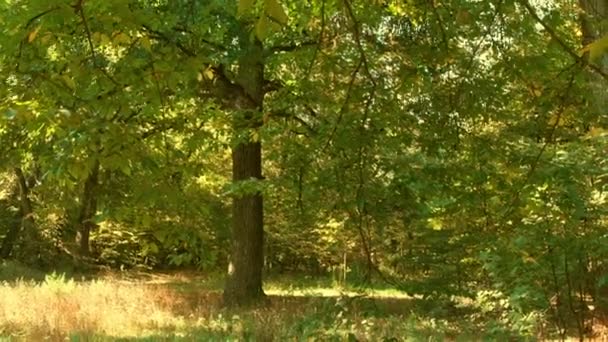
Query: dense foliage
x,y
449,148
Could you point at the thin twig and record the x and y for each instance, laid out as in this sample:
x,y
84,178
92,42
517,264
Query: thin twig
x,y
38,16
444,36
351,84
560,41
79,8
540,153
319,41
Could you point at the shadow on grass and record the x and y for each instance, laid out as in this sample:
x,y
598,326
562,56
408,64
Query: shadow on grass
x,y
13,271
306,318
293,311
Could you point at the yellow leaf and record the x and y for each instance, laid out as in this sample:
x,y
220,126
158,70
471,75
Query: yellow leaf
x,y
597,48
527,258
254,136
435,223
396,9
596,132
32,35
244,6
276,11
208,73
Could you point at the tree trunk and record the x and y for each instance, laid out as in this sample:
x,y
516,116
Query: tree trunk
x,y
244,280
10,239
593,19
26,222
594,26
15,224
88,209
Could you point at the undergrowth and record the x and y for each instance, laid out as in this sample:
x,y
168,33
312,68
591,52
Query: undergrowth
x,y
169,307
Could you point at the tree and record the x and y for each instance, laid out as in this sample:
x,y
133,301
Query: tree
x,y
595,41
245,96
445,147
85,78
26,225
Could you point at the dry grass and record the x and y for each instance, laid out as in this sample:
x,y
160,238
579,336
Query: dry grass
x,y
58,308
188,307
156,307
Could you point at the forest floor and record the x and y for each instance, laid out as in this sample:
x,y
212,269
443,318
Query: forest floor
x,y
186,306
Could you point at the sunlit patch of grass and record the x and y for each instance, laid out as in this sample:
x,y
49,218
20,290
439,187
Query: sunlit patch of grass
x,y
154,306
326,287
278,290
172,306
58,307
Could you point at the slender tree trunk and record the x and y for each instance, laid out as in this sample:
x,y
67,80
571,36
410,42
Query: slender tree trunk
x,y
26,224
594,25
244,280
593,19
88,209
10,239
15,225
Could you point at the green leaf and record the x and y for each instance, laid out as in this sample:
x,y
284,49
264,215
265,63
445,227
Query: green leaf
x,y
244,6
10,113
597,48
69,82
276,11
262,28
153,248
146,220
146,44
125,168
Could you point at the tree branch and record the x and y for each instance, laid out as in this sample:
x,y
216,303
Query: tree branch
x,y
79,9
290,48
38,16
160,35
560,41
351,84
319,41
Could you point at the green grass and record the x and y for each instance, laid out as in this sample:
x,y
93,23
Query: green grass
x,y
141,306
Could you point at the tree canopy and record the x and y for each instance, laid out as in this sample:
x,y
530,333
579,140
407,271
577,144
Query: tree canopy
x,y
444,147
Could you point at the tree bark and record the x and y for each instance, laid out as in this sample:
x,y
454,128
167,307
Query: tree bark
x,y
26,222
244,280
594,26
10,239
15,225
88,209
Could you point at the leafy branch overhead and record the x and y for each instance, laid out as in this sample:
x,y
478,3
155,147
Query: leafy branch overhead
x,y
269,15
450,150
